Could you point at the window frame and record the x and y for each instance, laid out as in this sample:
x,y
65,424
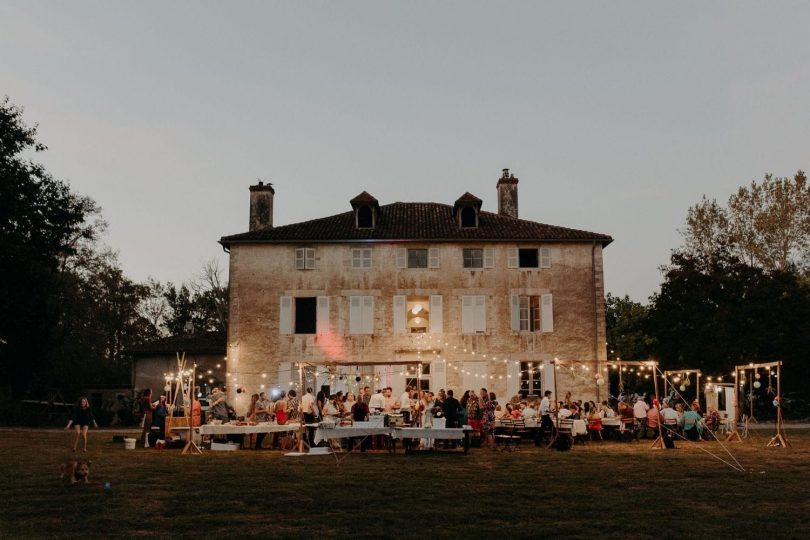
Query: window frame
x,y
305,258
359,257
472,259
536,256
417,252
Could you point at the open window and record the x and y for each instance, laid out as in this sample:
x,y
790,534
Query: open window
x,y
306,315
366,211
467,211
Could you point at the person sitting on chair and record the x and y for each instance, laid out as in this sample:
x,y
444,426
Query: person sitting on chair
x,y
692,424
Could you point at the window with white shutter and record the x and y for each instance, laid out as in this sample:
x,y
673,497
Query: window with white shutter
x,y
548,313
545,258
473,314
433,257
489,257
285,315
436,314
402,258
322,322
400,314
361,258
515,305
361,314
512,258
304,258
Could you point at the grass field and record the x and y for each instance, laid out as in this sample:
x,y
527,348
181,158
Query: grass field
x,y
601,490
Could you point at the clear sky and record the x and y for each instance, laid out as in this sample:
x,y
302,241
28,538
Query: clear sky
x,y
616,116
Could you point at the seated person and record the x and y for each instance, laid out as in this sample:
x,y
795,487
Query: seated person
x,y
527,411
575,412
712,420
692,424
563,412
653,417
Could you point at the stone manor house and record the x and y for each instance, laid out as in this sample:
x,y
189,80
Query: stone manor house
x,y
437,295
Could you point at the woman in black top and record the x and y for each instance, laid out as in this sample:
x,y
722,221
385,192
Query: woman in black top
x,y
82,418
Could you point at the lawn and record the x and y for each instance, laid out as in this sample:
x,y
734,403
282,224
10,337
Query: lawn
x,y
600,490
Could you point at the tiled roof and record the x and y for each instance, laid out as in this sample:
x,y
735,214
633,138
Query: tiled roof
x,y
414,222
200,343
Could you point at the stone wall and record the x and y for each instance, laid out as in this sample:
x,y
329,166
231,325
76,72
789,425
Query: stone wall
x,y
262,273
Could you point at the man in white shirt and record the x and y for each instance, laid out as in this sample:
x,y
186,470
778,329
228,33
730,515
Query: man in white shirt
x,y
640,409
388,399
527,411
377,401
564,412
546,425
405,404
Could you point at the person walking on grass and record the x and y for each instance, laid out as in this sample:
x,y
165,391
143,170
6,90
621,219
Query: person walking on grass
x,y
147,409
81,420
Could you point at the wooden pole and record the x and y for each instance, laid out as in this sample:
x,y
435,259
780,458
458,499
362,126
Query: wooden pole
x,y
697,390
556,406
191,447
751,417
659,441
779,440
734,436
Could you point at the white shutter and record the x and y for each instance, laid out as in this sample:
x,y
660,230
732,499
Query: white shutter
x,y
489,257
355,314
512,379
433,257
368,314
309,258
400,313
512,258
515,302
480,314
367,258
322,318
467,314
547,313
299,259
284,375
545,258
402,258
285,315
438,375
435,314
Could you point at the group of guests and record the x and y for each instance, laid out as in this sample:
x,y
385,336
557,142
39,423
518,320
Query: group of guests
x,y
670,418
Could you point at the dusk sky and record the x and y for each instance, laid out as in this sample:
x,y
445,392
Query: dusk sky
x,y
616,116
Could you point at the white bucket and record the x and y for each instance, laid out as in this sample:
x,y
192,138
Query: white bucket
x,y
129,444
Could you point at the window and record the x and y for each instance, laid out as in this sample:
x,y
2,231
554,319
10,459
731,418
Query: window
x,y
532,313
469,217
473,314
527,258
365,217
473,258
529,313
361,314
361,258
530,379
417,258
304,259
419,380
305,315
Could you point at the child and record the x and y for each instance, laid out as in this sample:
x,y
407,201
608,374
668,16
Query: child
x,y
82,417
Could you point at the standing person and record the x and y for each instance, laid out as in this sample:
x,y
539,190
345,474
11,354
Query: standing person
x,y
640,409
348,404
488,416
451,408
463,417
81,420
308,409
366,394
293,407
359,414
405,404
196,412
160,414
147,408
219,406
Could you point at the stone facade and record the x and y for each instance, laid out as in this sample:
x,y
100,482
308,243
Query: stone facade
x,y
264,350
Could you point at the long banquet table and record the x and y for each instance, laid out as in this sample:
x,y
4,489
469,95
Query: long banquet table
x,y
233,429
395,433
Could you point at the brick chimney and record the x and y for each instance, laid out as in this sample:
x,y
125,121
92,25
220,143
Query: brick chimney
x,y
507,194
261,206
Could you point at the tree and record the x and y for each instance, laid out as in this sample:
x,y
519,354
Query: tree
x,y
766,225
626,329
716,314
41,223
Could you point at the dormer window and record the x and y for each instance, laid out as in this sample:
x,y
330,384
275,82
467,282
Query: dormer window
x,y
466,210
366,211
469,217
365,218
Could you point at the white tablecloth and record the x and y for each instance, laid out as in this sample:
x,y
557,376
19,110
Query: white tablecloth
x,y
429,433
230,429
349,431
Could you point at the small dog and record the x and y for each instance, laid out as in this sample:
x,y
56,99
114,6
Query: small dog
x,y
74,472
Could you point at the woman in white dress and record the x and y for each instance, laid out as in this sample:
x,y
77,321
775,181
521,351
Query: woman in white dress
x,y
427,404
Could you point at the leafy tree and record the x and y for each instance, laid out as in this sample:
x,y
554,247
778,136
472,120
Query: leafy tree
x,y
41,224
626,329
766,225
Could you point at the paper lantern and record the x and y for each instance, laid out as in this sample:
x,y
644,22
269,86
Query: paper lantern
x,y
682,387
167,387
757,384
600,381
